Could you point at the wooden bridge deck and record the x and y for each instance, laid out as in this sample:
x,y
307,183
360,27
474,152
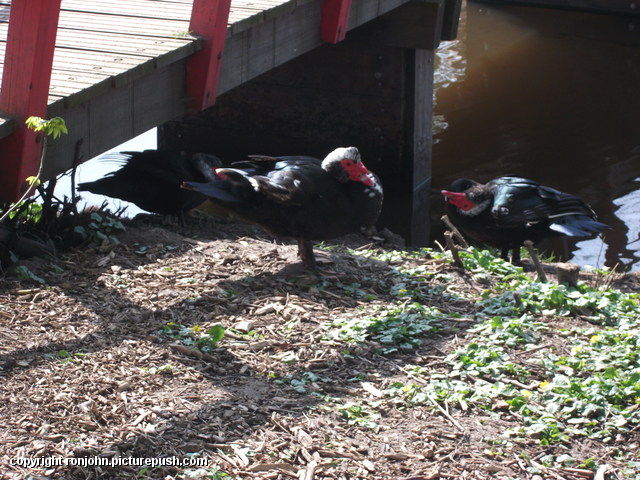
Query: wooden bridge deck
x,y
104,43
119,65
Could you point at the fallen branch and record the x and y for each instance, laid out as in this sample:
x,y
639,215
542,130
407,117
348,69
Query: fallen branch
x,y
452,228
536,261
453,421
448,236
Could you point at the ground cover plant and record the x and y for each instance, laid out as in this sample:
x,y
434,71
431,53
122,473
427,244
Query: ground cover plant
x,y
209,346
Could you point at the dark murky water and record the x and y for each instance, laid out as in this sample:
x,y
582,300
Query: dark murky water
x,y
551,95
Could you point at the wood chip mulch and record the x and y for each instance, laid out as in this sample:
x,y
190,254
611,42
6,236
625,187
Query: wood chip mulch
x,y
88,370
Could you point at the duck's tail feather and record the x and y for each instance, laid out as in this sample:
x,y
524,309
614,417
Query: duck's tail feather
x,y
580,226
218,189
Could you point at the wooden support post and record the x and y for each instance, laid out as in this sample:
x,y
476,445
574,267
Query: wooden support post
x,y
209,19
334,20
31,39
451,19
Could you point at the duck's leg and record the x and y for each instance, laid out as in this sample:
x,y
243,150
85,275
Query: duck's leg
x,y
305,252
504,254
182,219
515,256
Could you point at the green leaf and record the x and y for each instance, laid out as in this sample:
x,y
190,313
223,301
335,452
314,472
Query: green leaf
x,y
55,127
216,333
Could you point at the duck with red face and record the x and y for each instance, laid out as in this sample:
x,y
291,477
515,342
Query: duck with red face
x,y
507,211
299,196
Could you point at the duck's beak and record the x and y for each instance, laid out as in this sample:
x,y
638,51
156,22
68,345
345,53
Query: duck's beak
x,y
458,199
359,173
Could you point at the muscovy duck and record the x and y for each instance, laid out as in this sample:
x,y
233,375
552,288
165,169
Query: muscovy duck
x,y
299,196
152,180
506,211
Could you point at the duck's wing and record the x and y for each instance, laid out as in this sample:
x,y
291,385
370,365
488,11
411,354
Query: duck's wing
x,y
282,181
165,166
521,202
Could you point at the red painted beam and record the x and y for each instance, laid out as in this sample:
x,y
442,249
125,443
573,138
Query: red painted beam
x,y
209,20
31,40
335,17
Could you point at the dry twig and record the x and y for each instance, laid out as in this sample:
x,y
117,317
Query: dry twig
x,y
536,261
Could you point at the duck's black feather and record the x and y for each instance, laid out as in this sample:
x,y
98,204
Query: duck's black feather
x,y
506,211
152,179
299,196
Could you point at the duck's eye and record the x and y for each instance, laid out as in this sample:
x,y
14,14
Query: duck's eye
x,y
348,163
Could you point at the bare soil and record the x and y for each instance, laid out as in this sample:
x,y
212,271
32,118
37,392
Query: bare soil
x,y
87,368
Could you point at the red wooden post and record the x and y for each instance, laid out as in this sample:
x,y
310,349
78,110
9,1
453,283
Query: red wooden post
x,y
209,20
335,17
31,39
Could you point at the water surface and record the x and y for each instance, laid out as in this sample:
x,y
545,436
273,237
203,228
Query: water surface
x,y
551,95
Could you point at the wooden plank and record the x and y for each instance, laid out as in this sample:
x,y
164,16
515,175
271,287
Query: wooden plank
x,y
107,132
256,51
95,22
387,6
128,76
65,83
124,112
334,20
25,88
128,43
61,152
96,61
134,8
151,109
107,63
208,20
362,11
174,28
238,16
254,57
253,51
296,34
416,24
123,24
232,69
155,9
